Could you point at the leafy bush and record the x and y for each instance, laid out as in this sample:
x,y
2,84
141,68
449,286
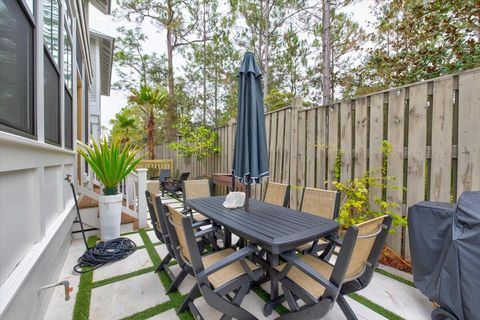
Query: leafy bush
x,y
199,142
357,204
111,163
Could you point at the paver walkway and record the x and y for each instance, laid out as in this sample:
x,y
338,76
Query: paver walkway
x,y
129,289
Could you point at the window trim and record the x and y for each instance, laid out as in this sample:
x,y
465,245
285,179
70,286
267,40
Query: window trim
x,y
4,127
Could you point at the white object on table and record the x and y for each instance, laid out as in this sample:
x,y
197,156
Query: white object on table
x,y
234,200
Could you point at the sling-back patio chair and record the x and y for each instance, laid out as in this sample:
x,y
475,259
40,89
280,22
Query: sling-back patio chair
x,y
174,186
320,284
158,217
323,203
278,194
193,189
163,176
218,274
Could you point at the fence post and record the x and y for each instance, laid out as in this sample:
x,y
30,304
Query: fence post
x,y
297,105
142,201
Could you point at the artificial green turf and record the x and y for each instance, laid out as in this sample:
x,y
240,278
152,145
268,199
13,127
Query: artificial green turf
x,y
175,297
375,307
81,310
395,277
104,282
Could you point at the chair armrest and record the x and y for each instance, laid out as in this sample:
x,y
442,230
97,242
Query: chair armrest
x,y
234,257
202,233
333,238
201,224
308,270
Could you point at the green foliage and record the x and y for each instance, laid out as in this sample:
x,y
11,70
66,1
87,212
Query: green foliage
x,y
337,166
125,126
418,40
277,100
358,205
110,162
195,141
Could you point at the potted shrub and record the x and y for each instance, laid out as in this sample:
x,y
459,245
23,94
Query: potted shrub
x,y
111,163
358,204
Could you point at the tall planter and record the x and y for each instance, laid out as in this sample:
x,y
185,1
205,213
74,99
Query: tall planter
x,y
110,216
111,164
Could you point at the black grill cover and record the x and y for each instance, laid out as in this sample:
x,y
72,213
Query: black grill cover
x,y
445,249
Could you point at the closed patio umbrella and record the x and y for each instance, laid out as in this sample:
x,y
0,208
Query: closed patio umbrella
x,y
250,161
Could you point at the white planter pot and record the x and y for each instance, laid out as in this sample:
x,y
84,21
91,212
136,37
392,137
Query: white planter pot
x,y
110,216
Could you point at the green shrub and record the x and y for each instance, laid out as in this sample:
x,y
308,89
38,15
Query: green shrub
x,y
357,204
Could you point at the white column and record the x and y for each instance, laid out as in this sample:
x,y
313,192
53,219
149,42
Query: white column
x,y
142,201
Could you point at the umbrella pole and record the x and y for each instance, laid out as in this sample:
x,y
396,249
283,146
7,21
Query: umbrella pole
x,y
247,198
233,182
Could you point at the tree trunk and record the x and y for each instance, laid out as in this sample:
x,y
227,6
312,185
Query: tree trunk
x,y
171,114
204,63
151,135
326,51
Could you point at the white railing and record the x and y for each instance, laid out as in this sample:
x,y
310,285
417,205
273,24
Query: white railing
x,y
133,191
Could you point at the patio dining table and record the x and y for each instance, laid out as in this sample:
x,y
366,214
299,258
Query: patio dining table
x,y
275,229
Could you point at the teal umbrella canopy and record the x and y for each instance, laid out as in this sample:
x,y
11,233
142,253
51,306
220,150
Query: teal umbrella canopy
x,y
250,161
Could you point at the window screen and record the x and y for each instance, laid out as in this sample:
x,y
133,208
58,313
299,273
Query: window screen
x,y
52,101
16,68
68,120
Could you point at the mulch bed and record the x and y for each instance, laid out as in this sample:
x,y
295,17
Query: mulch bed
x,y
390,258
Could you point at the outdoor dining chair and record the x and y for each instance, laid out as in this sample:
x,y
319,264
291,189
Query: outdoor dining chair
x,y
158,217
218,274
163,176
320,284
323,203
278,194
193,189
174,186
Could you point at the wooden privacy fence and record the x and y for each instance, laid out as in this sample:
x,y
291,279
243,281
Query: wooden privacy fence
x,y
433,127
156,165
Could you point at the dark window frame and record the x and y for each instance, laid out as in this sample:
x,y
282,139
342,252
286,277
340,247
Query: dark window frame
x,y
30,16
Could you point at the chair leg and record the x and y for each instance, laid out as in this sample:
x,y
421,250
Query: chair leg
x,y
164,262
237,299
347,311
176,283
192,295
292,304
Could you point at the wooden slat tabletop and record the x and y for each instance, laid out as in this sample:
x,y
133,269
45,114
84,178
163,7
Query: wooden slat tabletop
x,y
275,228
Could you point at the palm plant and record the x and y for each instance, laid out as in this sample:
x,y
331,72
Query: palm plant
x,y
111,163
148,99
124,126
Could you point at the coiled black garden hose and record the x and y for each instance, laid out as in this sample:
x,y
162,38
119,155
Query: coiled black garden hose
x,y
103,252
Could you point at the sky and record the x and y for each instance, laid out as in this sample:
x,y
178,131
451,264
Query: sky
x,y
360,11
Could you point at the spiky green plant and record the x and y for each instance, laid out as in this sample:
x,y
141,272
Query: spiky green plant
x,y
111,163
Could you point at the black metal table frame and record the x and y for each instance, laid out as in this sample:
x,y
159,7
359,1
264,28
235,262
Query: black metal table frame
x,y
318,227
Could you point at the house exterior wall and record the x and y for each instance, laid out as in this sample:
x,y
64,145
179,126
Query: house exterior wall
x,y
36,204
95,96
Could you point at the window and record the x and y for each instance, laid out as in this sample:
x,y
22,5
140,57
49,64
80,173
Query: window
x,y
68,72
51,28
51,38
68,120
51,101
17,113
67,59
